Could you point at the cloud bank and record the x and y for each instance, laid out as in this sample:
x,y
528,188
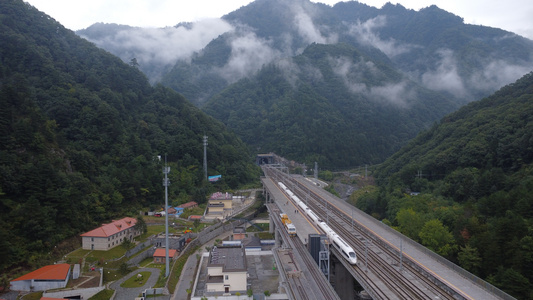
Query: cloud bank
x,y
157,47
365,33
358,77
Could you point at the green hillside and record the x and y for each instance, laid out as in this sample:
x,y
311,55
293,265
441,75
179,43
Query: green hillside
x,y
474,173
333,104
81,133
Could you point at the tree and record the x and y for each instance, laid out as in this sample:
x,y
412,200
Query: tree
x,y
436,237
196,224
134,63
140,225
127,244
409,222
469,259
124,268
512,282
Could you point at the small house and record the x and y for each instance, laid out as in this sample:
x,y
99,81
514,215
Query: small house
x,y
189,205
160,255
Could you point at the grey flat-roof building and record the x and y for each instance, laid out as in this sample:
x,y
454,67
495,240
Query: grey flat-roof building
x,y
226,271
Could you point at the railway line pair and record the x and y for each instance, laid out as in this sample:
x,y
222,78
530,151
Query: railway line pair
x,y
383,268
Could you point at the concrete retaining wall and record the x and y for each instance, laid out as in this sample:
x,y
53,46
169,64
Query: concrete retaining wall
x,y
84,293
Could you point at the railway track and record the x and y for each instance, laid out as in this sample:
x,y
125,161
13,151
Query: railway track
x,y
308,273
403,280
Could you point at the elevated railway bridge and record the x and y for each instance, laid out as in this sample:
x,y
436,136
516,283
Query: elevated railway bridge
x,y
389,265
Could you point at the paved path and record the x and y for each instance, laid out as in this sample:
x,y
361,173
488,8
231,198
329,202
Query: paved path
x,y
187,275
132,293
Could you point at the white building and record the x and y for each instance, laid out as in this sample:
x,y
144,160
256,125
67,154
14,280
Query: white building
x,y
110,235
226,271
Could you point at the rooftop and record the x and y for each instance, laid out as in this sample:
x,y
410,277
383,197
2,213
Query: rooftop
x,y
189,204
239,230
232,258
50,272
221,196
160,252
112,228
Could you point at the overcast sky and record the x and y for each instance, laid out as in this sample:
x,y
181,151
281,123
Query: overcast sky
x,y
512,15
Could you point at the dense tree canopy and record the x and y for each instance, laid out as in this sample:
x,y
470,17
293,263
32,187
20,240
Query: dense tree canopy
x,y
312,111
474,173
81,133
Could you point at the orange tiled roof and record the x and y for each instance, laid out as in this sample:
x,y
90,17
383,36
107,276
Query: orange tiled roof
x,y
50,272
161,252
112,228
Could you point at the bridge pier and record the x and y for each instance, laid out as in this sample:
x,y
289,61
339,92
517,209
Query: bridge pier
x,y
342,281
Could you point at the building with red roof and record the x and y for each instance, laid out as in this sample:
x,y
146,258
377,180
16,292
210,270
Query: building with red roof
x,y
188,205
160,255
110,235
45,278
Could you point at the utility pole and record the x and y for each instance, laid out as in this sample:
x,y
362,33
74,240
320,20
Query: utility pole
x,y
205,156
166,170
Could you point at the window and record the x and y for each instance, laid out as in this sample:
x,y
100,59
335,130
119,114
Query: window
x,y
226,277
92,239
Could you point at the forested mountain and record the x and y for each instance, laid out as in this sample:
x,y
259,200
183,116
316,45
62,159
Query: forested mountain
x,y
80,134
332,104
430,49
474,172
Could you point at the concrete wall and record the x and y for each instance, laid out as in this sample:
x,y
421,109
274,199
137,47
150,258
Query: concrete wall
x,y
145,254
76,271
84,293
237,281
96,243
139,247
31,285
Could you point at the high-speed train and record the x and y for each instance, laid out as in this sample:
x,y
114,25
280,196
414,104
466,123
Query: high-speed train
x,y
347,251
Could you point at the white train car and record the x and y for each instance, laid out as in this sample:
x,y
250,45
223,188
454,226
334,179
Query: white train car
x,y
346,250
314,218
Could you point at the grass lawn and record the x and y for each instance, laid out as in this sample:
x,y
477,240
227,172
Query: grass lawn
x,y
136,281
103,295
113,253
263,226
265,235
33,296
156,229
193,211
